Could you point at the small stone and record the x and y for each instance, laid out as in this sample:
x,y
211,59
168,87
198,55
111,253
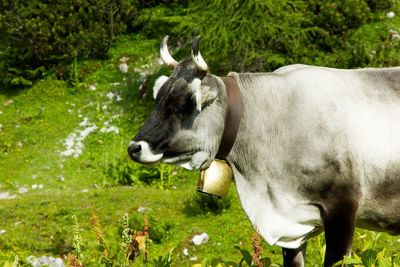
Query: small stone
x,y
142,209
123,68
200,239
390,15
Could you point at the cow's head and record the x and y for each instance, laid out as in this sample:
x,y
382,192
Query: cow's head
x,y
187,122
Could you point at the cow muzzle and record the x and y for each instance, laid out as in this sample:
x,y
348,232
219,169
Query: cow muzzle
x,y
142,152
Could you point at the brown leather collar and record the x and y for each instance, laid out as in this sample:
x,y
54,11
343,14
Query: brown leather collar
x,y
232,117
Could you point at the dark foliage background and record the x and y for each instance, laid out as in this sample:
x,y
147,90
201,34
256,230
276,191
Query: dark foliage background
x,y
39,37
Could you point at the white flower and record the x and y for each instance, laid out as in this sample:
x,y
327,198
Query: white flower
x,y
124,59
92,87
110,129
34,186
84,190
2,232
200,239
390,14
22,190
84,122
6,195
1,112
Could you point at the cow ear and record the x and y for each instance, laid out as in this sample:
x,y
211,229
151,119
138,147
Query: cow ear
x,y
202,93
158,84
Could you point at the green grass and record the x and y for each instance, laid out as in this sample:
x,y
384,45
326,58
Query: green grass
x,y
35,123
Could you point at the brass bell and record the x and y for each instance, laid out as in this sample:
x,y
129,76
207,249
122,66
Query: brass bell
x,y
215,180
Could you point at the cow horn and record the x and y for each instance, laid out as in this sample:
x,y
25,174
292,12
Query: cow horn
x,y
165,55
196,56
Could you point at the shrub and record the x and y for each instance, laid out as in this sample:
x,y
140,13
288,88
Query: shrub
x,y
203,204
36,35
265,35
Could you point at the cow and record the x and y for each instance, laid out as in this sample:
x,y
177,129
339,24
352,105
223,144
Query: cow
x,y
317,149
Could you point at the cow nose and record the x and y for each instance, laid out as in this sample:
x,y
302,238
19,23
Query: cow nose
x,y
134,148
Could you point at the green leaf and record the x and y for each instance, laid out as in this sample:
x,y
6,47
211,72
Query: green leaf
x,y
245,254
369,257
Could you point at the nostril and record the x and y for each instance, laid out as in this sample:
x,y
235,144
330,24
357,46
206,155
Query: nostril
x,y
134,148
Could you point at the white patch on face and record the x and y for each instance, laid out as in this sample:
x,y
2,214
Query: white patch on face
x,y
158,84
146,155
196,87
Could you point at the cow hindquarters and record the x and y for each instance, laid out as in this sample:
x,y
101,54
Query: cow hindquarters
x,y
294,257
339,224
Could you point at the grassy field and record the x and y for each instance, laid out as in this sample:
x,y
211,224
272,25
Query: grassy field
x,y
63,154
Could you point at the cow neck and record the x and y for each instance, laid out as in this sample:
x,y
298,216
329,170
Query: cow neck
x,y
232,117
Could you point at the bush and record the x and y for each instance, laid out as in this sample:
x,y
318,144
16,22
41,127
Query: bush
x,y
37,35
265,35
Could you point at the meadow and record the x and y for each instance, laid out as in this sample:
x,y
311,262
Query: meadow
x,y
68,189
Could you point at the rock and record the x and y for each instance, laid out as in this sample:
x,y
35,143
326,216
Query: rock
x,y
202,238
390,15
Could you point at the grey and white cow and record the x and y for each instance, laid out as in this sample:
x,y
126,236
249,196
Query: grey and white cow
x,y
318,149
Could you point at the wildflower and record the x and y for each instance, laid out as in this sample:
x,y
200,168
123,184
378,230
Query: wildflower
x,y
110,95
110,129
2,232
6,195
257,248
85,122
95,222
390,14
92,87
126,233
185,252
22,190
124,59
77,238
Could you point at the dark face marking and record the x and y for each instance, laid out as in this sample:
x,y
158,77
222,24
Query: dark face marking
x,y
175,103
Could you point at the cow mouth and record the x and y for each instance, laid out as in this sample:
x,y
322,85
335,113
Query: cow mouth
x,y
177,157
